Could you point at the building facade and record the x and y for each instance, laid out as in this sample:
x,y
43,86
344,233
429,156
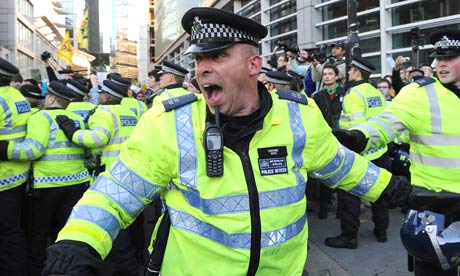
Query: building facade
x,y
384,26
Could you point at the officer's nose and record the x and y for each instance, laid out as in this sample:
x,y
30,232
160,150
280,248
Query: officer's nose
x,y
203,66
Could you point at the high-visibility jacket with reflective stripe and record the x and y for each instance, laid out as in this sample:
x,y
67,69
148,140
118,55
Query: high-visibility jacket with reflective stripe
x,y
359,104
108,127
210,230
430,114
82,109
14,112
169,93
57,161
136,106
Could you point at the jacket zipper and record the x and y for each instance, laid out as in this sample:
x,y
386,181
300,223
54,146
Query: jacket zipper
x,y
254,209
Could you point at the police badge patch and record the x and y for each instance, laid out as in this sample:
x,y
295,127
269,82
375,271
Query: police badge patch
x,y
272,161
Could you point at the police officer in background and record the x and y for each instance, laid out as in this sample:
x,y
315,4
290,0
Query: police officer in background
x,y
131,103
231,166
428,108
80,104
58,172
33,95
278,80
171,76
14,113
361,102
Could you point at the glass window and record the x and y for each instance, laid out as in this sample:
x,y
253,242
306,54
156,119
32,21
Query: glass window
x,y
25,63
370,45
283,10
289,40
340,8
251,9
403,40
283,26
245,2
25,36
424,10
375,60
25,9
368,22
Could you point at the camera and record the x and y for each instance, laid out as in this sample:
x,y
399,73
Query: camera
x,y
45,56
406,59
319,54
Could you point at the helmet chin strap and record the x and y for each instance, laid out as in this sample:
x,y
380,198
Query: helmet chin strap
x,y
431,230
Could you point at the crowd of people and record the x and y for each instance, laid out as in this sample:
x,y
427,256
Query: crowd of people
x,y
228,157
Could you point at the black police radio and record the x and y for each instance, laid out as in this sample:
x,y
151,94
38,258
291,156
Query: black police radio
x,y
214,146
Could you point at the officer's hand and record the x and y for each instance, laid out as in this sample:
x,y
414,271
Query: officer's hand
x,y
4,150
67,125
352,139
71,258
446,203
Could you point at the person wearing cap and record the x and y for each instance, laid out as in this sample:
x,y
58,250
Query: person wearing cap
x,y
80,104
338,55
59,175
296,83
171,76
33,95
278,80
428,109
244,213
416,74
128,102
14,113
361,102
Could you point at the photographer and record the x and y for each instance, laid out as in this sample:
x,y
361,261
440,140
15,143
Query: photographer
x,y
280,63
338,59
298,60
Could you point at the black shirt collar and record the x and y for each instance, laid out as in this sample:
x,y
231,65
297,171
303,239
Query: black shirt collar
x,y
172,86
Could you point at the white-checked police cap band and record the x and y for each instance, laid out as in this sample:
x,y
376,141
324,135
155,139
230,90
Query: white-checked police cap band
x,y
31,91
213,29
446,43
125,82
77,87
58,89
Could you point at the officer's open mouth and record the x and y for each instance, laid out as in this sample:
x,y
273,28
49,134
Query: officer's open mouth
x,y
211,89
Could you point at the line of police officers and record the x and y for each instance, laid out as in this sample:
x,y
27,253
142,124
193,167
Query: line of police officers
x,y
259,222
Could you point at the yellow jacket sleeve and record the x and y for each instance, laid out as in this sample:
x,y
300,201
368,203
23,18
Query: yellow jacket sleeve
x,y
100,130
35,142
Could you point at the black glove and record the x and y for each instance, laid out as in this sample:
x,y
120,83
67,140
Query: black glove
x,y
71,258
352,139
4,150
400,193
67,125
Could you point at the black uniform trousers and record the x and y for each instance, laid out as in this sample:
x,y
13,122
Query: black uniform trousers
x,y
13,257
47,212
350,207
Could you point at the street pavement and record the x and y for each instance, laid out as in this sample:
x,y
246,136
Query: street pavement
x,y
371,258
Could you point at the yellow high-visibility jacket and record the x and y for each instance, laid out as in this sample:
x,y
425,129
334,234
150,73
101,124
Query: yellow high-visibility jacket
x,y
219,225
14,113
429,111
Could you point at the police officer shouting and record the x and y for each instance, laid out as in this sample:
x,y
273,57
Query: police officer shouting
x,y
428,108
238,206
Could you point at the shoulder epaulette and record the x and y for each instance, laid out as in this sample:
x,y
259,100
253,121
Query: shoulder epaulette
x,y
177,102
292,96
424,81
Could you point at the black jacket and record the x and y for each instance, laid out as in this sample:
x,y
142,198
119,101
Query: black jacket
x,y
331,110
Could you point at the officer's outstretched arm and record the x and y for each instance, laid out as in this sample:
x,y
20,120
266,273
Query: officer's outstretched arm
x,y
100,125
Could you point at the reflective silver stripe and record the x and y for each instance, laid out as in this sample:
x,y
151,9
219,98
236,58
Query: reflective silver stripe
x,y
141,108
96,138
62,157
436,140
186,145
80,137
299,137
357,115
14,179
53,128
134,183
337,169
65,144
129,202
103,130
387,128
240,203
359,94
119,140
98,216
187,222
12,130
368,180
7,113
26,145
435,111
110,153
447,163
